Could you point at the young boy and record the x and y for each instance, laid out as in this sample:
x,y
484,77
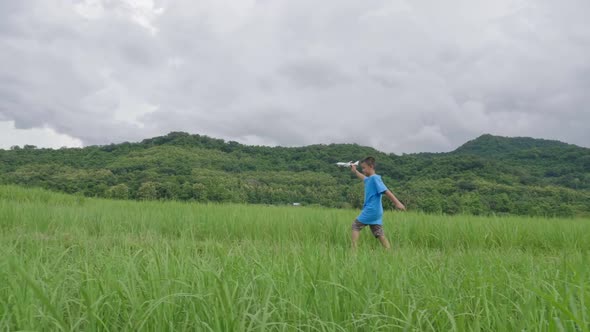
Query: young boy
x,y
372,212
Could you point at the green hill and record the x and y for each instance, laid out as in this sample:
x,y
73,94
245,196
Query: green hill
x,y
501,146
490,174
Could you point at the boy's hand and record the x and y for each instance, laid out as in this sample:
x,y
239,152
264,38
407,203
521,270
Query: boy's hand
x,y
400,206
357,173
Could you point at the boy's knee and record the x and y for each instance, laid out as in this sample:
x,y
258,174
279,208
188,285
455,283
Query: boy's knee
x,y
377,230
357,226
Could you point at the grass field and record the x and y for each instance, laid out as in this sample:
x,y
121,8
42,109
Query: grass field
x,y
72,263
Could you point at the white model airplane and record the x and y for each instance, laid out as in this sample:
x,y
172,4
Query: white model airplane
x,y
348,164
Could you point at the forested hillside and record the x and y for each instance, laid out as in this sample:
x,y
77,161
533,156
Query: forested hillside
x,y
490,174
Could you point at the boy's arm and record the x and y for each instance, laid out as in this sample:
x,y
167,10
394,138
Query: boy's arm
x,y
395,201
357,173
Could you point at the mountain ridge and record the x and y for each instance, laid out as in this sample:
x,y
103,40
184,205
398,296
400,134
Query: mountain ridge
x,y
490,174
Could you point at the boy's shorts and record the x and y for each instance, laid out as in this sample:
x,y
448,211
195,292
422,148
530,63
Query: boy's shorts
x,y
376,229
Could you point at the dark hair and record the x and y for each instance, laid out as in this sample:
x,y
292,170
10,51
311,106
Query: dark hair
x,y
370,161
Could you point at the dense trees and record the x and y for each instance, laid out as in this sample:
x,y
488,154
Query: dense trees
x,y
487,175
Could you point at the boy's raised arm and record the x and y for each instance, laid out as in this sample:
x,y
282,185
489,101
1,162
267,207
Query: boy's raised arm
x,y
357,173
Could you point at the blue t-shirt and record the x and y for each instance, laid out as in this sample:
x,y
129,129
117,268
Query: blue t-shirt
x,y
373,209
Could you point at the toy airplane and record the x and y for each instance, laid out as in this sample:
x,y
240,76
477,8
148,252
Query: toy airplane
x,y
348,164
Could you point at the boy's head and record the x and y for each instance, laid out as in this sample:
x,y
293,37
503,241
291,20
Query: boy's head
x,y
368,165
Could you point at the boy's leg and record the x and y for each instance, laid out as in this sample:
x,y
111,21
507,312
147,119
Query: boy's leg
x,y
355,237
384,242
378,232
357,226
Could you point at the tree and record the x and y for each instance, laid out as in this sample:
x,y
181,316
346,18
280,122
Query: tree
x,y
148,191
120,191
199,192
168,190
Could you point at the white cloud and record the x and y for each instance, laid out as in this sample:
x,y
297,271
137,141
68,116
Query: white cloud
x,y
40,137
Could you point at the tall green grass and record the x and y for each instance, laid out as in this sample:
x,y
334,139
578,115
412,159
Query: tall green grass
x,y
73,263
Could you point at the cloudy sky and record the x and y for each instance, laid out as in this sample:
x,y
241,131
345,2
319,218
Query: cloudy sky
x,y
401,76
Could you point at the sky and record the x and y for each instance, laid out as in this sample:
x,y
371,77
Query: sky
x,y
399,76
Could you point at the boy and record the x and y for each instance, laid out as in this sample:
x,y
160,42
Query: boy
x,y
372,212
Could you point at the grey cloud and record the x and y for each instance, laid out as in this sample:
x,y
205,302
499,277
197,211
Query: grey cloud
x,y
313,74
400,76
270,125
55,73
